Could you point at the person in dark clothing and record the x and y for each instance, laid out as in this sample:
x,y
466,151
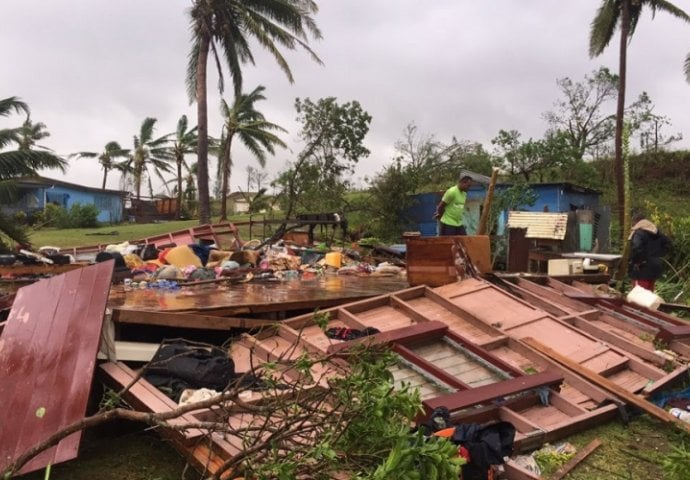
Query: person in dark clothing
x,y
647,247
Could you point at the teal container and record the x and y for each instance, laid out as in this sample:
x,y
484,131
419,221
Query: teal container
x,y
586,234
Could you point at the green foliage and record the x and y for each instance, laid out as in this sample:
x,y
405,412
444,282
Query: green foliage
x,y
20,217
422,164
390,198
420,458
78,216
675,464
549,460
367,431
319,179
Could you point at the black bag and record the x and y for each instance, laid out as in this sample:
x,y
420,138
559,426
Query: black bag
x,y
180,365
486,444
149,252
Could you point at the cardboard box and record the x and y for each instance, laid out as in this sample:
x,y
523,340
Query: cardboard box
x,y
559,266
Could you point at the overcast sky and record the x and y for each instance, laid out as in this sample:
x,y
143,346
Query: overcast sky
x,y
92,70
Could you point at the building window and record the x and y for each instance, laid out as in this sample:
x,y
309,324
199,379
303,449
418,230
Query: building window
x,y
103,202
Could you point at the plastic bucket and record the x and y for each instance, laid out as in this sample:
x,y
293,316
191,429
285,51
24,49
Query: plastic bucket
x,y
334,259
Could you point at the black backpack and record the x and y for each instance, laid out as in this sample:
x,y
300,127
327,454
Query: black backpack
x,y
180,365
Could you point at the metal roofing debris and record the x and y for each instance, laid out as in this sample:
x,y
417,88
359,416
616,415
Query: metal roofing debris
x,y
540,224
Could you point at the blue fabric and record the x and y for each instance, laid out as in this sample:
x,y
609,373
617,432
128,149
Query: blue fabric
x,y
662,398
201,251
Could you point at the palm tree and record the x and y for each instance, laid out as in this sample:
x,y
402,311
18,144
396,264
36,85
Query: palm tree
x,y
253,130
148,154
184,142
29,133
107,157
623,14
228,25
18,163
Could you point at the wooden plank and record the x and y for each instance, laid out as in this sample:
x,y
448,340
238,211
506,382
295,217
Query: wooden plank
x,y
416,332
488,393
430,259
42,269
606,384
186,320
575,461
47,354
518,472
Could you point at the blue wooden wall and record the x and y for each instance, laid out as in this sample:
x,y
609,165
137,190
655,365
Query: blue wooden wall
x,y
557,197
35,198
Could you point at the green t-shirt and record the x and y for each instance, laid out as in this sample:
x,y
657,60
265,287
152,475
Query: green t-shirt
x,y
454,198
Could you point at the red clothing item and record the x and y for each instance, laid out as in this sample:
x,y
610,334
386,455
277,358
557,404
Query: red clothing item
x,y
648,284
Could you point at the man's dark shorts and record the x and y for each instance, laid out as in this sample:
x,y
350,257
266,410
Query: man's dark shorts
x,y
451,230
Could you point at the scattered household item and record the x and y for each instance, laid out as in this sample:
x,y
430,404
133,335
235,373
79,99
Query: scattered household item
x,y
334,259
645,298
7,259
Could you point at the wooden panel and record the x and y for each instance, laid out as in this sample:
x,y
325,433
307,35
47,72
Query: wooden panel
x,y
186,320
405,335
240,299
456,363
475,331
498,310
430,260
488,393
427,388
47,354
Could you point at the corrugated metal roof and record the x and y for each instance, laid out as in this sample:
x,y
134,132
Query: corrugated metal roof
x,y
47,356
540,224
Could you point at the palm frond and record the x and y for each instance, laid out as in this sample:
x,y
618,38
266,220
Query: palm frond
x,y
603,27
16,163
9,104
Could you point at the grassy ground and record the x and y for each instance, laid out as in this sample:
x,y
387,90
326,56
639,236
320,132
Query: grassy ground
x,y
632,452
77,237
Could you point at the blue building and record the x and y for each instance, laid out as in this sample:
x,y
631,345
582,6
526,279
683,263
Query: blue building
x,y
551,197
36,192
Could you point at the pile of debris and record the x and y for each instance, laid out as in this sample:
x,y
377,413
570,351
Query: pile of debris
x,y
147,265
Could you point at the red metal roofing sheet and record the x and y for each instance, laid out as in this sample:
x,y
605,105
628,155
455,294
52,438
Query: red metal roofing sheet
x,y
47,357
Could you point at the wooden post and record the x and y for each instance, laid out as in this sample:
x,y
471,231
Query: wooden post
x,y
607,384
484,220
574,462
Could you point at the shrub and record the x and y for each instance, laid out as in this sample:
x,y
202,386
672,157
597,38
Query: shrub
x,y
83,216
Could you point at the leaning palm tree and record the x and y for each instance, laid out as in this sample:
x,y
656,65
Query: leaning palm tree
x,y
183,143
228,26
149,155
623,14
107,158
29,134
252,129
16,163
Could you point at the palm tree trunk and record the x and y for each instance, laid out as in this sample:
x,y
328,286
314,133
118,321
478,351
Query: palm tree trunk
x,y
202,122
226,162
105,177
178,206
620,114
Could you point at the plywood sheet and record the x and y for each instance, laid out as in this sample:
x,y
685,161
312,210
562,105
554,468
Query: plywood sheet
x,y
47,356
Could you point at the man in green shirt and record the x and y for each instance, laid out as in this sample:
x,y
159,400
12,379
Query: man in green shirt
x,y
452,207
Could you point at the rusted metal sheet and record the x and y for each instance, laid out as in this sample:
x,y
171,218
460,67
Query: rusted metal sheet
x,y
540,224
257,297
47,356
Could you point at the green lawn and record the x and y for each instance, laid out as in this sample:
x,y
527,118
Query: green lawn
x,y
78,237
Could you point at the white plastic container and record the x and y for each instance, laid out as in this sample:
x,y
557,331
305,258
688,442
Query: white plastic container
x,y
643,297
682,415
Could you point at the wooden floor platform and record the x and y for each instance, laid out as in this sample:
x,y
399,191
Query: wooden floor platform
x,y
257,297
